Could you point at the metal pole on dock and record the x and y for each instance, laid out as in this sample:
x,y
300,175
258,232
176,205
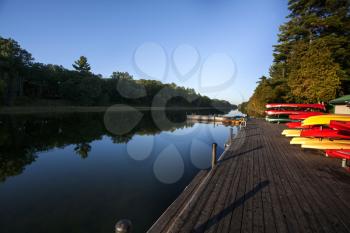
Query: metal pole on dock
x,y
123,226
213,155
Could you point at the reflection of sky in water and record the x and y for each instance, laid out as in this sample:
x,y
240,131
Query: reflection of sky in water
x,y
137,180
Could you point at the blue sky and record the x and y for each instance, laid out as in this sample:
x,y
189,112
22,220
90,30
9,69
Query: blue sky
x,y
223,46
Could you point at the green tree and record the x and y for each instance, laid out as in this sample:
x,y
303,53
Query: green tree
x,y
314,75
89,90
2,88
311,20
81,65
14,63
311,59
68,90
263,93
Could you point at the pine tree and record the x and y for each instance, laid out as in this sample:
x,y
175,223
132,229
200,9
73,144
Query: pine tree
x,y
81,65
312,57
311,20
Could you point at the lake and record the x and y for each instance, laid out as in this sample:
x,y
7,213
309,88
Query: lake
x,y
83,172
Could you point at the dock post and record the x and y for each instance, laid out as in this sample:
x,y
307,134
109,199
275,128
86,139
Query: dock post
x,y
123,226
343,163
230,136
213,155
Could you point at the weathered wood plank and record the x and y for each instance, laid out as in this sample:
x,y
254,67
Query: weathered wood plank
x,y
232,198
237,212
258,214
221,203
247,218
270,224
309,216
315,192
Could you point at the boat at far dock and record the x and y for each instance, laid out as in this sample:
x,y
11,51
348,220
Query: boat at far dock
x,y
235,120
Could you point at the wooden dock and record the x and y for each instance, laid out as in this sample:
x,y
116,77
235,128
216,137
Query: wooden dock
x,y
263,184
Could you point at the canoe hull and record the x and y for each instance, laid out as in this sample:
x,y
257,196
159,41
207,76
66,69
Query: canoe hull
x,y
340,154
288,112
340,125
294,105
279,120
325,133
325,119
291,132
300,140
328,146
305,115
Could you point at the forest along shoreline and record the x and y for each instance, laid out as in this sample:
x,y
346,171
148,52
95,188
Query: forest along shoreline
x,y
82,109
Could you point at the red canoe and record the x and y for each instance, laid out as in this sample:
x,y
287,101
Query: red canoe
x,y
340,125
297,125
293,125
304,115
341,154
324,133
284,105
287,112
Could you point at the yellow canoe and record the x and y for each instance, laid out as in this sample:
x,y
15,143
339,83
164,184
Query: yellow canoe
x,y
326,146
291,132
300,140
325,119
321,141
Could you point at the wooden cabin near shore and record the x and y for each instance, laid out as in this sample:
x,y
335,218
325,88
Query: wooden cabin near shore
x,y
341,105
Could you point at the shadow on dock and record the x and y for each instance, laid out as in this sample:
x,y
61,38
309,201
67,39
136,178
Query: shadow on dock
x,y
241,153
215,219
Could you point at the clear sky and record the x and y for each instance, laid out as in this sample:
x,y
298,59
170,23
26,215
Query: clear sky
x,y
220,47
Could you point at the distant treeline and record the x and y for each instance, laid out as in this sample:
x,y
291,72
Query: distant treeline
x,y
311,59
25,82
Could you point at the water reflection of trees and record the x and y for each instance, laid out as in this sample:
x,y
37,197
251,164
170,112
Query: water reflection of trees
x,y
23,136
13,161
83,150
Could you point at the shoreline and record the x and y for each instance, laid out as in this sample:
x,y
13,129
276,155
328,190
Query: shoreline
x,y
91,109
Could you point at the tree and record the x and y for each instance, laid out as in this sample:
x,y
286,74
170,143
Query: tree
x,y
81,65
311,59
14,62
68,90
82,91
2,88
89,90
121,76
328,20
263,93
315,76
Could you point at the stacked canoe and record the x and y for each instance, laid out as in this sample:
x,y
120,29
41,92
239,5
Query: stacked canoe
x,y
292,113
328,132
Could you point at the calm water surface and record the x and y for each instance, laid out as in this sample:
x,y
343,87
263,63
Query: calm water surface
x,y
83,172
